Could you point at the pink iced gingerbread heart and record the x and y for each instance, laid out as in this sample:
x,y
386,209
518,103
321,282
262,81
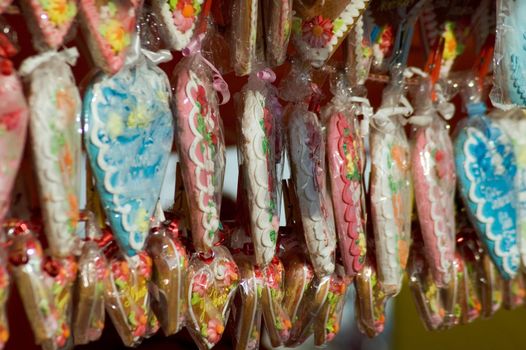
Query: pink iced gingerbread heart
x,y
49,21
109,27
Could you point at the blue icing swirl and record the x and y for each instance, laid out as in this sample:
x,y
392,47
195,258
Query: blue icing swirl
x,y
129,134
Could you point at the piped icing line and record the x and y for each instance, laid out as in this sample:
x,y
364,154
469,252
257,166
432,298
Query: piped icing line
x,y
390,191
55,107
339,27
307,153
256,147
180,21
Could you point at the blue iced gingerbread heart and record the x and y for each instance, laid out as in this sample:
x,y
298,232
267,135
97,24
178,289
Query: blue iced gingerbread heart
x,y
486,170
128,135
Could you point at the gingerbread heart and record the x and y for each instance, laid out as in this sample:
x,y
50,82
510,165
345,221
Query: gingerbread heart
x,y
322,26
14,116
277,15
109,28
170,262
486,169
45,286
55,104
180,19
424,290
327,323
127,299
307,152
277,321
211,285
370,301
89,316
345,154
49,21
391,193
201,147
129,133
257,146
246,308
434,181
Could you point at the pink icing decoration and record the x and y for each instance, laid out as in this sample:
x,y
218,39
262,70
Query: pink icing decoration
x,y
53,35
202,156
434,183
346,193
13,125
99,46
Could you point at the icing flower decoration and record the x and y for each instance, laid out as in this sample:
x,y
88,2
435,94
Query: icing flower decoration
x,y
214,331
202,100
116,35
184,13
59,11
9,121
318,31
200,284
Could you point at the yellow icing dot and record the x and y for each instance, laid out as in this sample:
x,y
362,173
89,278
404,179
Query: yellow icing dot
x,y
115,125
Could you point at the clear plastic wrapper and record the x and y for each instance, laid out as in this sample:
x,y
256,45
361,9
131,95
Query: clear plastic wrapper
x,y
434,181
358,54
257,157
277,16
109,27
55,106
45,286
514,124
307,155
246,36
93,271
49,21
246,312
123,114
327,323
211,285
509,87
126,296
514,292
346,162
370,300
486,170
200,144
14,117
390,191
425,292
320,26
277,321
170,262
310,309
180,19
